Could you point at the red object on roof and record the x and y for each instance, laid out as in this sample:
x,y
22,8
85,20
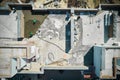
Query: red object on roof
x,y
87,76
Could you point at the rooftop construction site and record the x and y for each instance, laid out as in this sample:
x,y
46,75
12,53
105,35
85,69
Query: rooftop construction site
x,y
59,39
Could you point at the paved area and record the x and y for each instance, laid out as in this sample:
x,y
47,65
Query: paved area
x,y
8,26
52,38
52,42
93,29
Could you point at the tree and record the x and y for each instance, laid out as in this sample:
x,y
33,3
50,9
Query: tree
x,y
34,21
30,34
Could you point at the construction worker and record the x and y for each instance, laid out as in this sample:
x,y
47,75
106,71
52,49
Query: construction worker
x,y
14,10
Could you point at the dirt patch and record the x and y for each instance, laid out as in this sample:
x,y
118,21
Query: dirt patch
x,y
3,2
30,27
25,1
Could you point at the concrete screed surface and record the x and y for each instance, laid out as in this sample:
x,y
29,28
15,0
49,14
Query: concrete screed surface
x,y
50,38
93,29
8,26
